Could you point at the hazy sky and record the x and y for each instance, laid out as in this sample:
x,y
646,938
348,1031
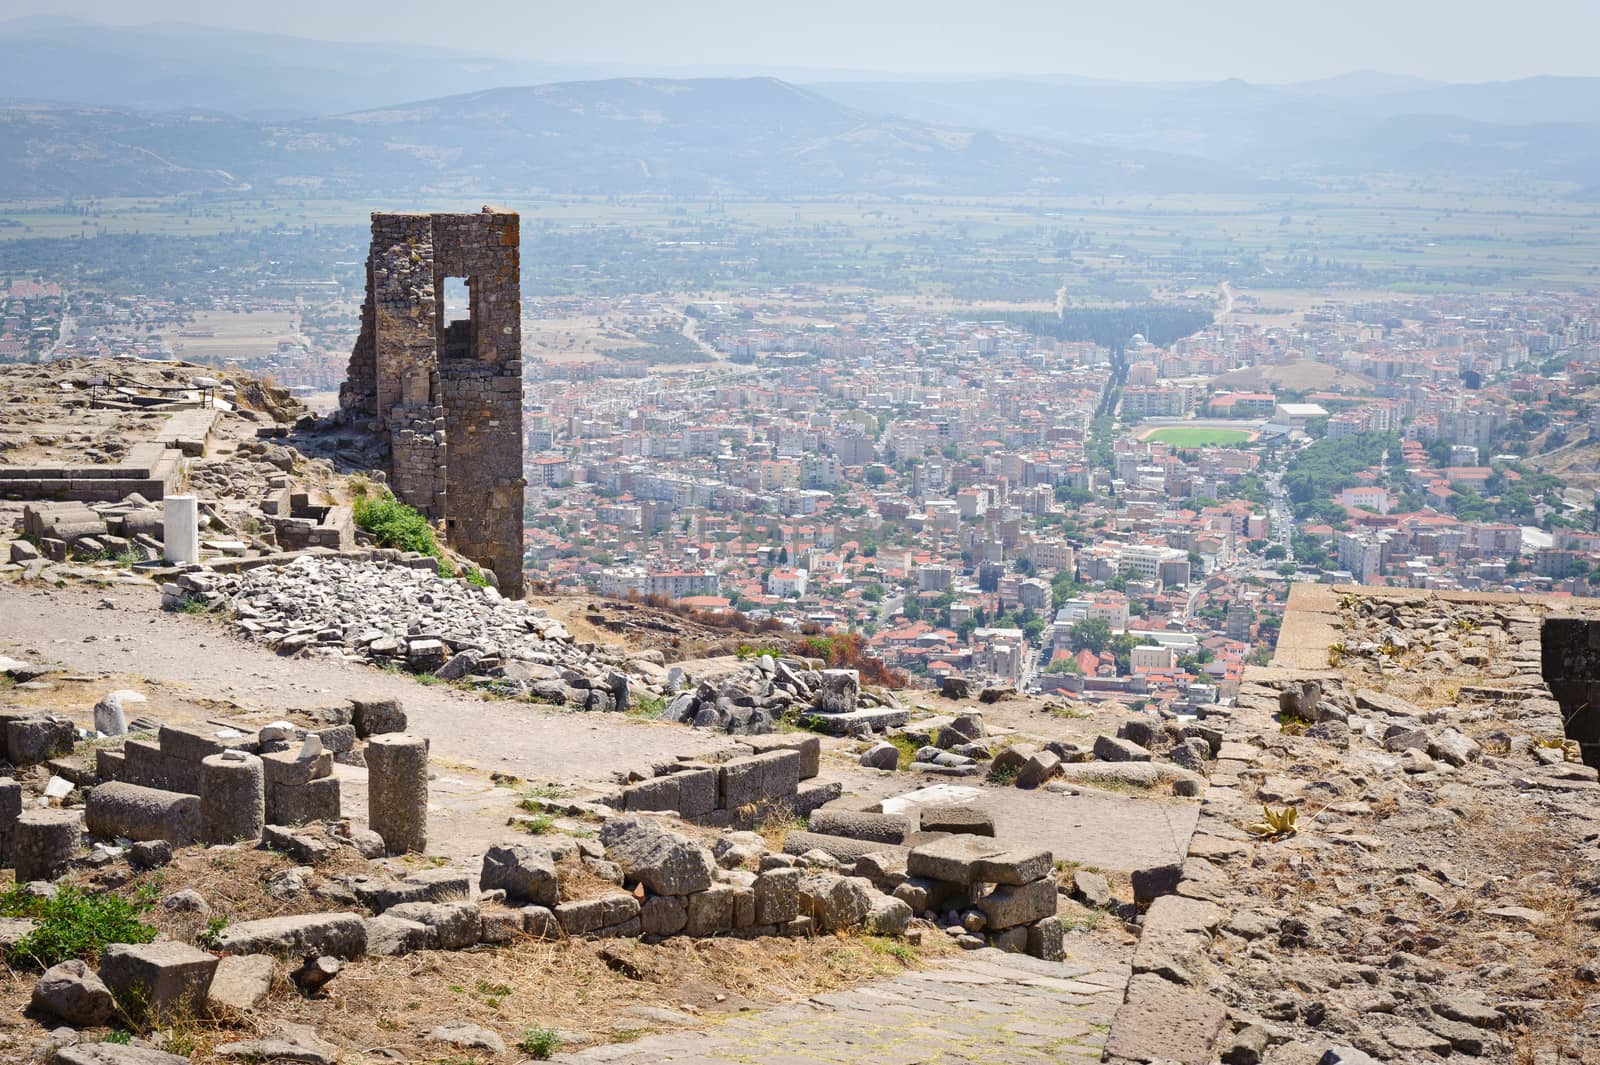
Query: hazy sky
x,y
1261,40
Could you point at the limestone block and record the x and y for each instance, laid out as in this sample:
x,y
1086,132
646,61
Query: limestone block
x,y
156,980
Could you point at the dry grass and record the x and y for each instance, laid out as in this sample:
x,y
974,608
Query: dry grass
x,y
382,1005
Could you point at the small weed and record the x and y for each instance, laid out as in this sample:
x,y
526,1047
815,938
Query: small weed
x,y
750,650
543,791
119,1037
648,707
428,680
7,682
1570,751
474,576
1336,653
1292,724
897,949
539,1043
129,559
446,568
181,1039
539,824
776,826
211,938
908,749
194,606
1057,710
492,994
1090,921
1003,775
1276,824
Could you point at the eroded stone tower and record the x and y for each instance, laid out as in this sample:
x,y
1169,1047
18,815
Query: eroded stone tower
x,y
448,393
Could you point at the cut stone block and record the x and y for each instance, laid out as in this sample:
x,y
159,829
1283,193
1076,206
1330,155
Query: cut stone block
x,y
152,981
241,983
342,935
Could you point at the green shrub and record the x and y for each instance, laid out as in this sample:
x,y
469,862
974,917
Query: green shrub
x,y
539,1043
447,569
71,925
394,524
648,707
475,577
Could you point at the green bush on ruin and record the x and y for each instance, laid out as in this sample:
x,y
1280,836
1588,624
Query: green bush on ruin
x,y
71,924
394,524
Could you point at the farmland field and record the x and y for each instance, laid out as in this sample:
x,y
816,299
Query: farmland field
x,y
1200,437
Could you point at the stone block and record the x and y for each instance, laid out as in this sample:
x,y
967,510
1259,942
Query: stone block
x,y
72,992
500,926
780,774
240,984
958,819
808,747
455,925
159,980
777,896
388,935
1111,749
664,915
372,717
427,885
525,873
191,743
1160,1021
835,903
655,794
839,691
1045,940
290,804
956,859
288,768
664,862
343,935
710,911
887,916
540,923
1013,867
739,783
744,907
590,916
337,739
1007,905
34,740
697,792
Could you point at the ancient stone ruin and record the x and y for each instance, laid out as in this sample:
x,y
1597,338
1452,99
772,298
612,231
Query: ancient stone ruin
x,y
448,393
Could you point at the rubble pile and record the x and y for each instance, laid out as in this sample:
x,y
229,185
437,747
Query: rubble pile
x,y
754,699
401,613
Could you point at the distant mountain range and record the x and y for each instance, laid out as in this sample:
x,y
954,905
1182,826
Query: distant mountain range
x,y
678,137
168,108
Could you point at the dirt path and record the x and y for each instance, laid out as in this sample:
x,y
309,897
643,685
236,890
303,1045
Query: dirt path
x,y
197,669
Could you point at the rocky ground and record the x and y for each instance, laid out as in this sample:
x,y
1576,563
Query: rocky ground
x,y
1437,896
